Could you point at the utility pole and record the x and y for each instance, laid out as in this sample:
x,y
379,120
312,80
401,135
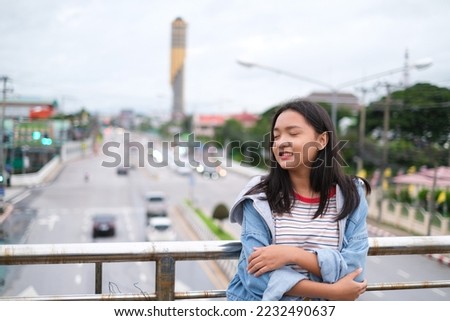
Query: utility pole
x,y
5,80
386,118
362,129
384,161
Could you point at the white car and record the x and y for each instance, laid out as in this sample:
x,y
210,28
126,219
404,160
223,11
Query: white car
x,y
156,204
160,229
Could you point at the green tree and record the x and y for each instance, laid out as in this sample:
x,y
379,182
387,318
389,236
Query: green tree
x,y
231,135
419,113
419,126
220,212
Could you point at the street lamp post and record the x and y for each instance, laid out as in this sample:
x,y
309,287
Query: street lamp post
x,y
386,121
336,89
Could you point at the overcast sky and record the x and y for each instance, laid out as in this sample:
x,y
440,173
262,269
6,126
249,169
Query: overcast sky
x,y
108,55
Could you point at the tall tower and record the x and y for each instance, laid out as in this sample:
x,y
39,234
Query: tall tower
x,y
177,67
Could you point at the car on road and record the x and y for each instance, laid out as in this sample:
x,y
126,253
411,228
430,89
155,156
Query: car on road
x,y
156,204
160,229
122,170
103,225
212,172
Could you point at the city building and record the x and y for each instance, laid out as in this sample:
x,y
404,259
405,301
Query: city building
x,y
29,109
246,119
126,119
343,99
206,124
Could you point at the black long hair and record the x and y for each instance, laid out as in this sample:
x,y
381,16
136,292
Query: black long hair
x,y
326,170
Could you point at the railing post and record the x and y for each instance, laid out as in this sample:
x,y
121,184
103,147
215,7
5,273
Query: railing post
x,y
98,277
165,279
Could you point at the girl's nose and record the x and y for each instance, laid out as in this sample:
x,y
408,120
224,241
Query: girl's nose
x,y
283,143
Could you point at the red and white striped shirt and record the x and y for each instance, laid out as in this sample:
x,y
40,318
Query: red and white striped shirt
x,y
298,228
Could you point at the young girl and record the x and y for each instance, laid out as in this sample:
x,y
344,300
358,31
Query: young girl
x,y
304,233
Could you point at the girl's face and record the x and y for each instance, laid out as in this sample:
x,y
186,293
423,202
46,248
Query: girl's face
x,y
296,143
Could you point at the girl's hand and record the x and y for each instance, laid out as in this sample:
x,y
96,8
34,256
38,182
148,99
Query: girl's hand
x,y
269,258
346,289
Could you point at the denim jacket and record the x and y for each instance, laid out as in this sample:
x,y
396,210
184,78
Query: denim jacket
x,y
253,213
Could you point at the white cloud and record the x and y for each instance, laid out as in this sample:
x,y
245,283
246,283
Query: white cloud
x,y
116,54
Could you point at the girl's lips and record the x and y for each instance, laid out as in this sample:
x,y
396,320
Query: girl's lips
x,y
285,155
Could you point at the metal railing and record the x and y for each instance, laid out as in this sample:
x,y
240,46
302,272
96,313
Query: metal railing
x,y
166,254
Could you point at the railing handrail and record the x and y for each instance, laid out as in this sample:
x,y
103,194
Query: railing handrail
x,y
165,254
18,254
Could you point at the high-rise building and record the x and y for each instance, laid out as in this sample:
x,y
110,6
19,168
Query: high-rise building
x,y
177,67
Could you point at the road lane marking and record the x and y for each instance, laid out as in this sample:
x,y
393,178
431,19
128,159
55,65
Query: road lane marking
x,y
143,277
439,292
20,197
78,279
403,274
180,286
28,292
378,294
50,221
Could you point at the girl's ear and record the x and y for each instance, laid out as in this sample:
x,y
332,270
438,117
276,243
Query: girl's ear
x,y
323,140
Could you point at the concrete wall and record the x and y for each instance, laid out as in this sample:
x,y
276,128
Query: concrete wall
x,y
414,220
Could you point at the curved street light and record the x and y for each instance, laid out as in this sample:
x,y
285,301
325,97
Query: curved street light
x,y
334,89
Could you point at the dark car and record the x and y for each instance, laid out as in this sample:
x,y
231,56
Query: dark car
x,y
122,170
103,225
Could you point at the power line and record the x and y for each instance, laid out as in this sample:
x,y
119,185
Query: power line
x,y
401,107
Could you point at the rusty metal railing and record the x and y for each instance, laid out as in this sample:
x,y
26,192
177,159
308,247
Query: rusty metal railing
x,y
166,254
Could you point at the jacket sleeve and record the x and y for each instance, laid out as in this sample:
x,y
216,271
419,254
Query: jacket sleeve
x,y
336,264
281,281
255,233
